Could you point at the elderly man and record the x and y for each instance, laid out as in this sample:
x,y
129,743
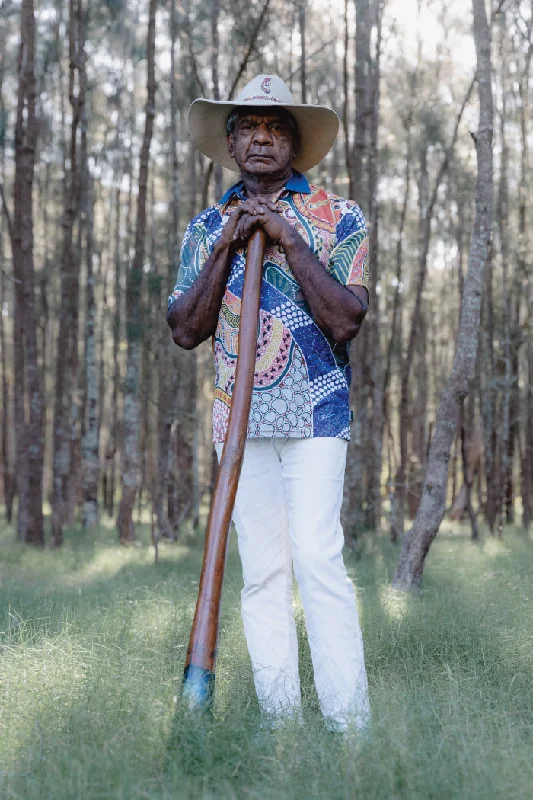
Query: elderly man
x,y
313,301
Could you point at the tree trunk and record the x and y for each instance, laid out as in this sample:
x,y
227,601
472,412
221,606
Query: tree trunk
x,y
524,270
30,437
131,455
302,11
503,227
431,510
90,440
376,363
398,495
427,209
346,104
215,49
67,337
170,360
362,110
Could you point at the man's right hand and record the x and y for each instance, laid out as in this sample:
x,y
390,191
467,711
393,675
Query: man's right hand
x,y
244,220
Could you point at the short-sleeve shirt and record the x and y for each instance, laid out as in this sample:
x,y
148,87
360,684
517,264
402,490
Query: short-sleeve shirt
x,y
302,377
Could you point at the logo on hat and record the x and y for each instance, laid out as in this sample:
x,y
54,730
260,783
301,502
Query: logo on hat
x,y
265,86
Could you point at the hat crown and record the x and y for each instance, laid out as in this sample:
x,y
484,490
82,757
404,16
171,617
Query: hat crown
x,y
266,89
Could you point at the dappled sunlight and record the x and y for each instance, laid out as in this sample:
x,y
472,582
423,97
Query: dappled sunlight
x,y
394,603
109,561
495,547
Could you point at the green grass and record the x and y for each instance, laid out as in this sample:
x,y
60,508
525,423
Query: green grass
x,y
92,642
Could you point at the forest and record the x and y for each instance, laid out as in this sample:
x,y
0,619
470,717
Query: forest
x,y
105,428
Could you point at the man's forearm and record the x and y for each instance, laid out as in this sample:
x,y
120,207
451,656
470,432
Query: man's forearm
x,y
336,310
193,317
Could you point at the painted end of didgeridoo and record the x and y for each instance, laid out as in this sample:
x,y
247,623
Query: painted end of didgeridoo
x,y
198,688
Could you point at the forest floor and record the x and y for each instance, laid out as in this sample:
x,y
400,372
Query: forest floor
x,y
92,643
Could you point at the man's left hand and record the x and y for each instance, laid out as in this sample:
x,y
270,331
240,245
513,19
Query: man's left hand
x,y
261,212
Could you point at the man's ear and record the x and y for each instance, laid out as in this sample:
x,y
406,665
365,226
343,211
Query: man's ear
x,y
229,142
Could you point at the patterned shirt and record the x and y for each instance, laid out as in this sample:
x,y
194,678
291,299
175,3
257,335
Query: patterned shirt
x,y
302,378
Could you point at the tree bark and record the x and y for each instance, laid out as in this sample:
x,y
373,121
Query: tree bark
x,y
376,363
30,436
302,11
418,540
524,270
169,363
427,209
131,455
67,337
215,49
91,464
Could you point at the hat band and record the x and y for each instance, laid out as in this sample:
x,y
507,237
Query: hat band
x,y
261,97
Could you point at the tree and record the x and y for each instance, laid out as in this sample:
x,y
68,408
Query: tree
x,y
131,454
29,430
418,540
67,336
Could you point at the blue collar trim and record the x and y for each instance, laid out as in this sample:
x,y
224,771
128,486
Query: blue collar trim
x,y
296,183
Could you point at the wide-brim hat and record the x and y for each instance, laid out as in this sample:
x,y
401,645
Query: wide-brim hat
x,y
317,125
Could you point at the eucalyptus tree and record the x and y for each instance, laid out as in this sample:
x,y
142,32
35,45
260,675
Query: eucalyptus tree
x,y
131,454
429,516
28,383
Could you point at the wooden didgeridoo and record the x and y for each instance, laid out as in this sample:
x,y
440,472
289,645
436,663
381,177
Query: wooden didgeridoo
x,y
199,674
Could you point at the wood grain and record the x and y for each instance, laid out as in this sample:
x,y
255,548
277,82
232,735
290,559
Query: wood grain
x,y
198,685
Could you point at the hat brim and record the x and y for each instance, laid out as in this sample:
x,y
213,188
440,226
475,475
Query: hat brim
x,y
318,127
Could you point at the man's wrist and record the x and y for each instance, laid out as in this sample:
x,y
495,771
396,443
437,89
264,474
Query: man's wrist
x,y
289,239
222,247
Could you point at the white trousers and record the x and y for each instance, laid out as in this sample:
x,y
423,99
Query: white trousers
x,y
287,513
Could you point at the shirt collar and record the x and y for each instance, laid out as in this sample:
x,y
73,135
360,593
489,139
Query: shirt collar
x,y
296,183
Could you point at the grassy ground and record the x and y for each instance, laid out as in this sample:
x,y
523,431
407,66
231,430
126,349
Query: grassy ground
x,y
92,641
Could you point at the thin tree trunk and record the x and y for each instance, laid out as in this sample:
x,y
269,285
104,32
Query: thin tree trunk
x,y
346,104
362,110
426,216
169,362
431,509
131,455
67,340
503,226
91,462
398,495
302,11
376,364
215,48
524,266
30,437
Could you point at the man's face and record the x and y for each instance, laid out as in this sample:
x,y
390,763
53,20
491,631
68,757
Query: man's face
x,y
262,143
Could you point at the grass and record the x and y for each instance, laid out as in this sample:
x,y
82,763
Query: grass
x,y
92,642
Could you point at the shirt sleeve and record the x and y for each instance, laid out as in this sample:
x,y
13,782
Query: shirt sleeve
x,y
195,250
348,262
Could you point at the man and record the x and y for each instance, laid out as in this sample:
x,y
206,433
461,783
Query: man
x,y
313,301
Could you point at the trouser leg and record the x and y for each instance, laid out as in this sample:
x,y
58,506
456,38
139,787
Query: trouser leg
x,y
313,477
266,600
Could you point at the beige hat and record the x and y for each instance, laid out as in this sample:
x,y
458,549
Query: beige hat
x,y
318,125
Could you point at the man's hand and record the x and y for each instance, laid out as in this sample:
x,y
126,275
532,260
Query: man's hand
x,y
259,212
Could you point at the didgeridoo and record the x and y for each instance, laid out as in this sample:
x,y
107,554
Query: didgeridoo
x,y
199,675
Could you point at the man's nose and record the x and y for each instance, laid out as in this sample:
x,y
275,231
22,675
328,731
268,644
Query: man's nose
x,y
262,134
